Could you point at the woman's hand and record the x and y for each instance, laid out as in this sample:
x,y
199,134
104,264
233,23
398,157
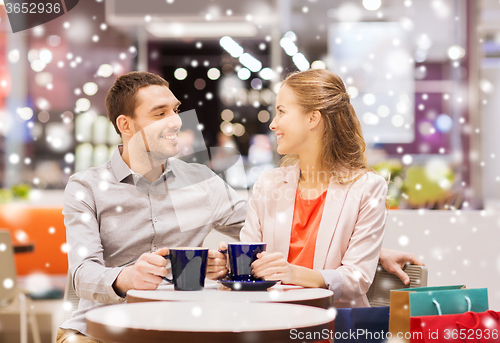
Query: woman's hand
x,y
273,266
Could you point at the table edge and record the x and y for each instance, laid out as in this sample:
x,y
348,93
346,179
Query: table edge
x,y
134,335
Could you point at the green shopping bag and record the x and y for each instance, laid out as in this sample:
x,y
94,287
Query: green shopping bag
x,y
426,301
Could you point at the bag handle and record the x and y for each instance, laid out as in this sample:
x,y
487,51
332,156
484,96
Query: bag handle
x,y
494,314
476,320
463,326
467,299
438,307
469,303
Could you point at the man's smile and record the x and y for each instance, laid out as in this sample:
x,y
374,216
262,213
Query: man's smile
x,y
172,137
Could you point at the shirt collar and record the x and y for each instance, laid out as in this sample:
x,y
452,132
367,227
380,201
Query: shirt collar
x,y
168,167
122,170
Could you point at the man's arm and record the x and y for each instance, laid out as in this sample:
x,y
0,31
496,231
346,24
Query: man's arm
x,y
394,260
216,264
91,278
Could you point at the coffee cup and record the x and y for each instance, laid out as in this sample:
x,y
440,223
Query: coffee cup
x,y
189,266
240,256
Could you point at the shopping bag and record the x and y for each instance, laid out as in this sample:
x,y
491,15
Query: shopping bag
x,y
362,325
456,328
420,301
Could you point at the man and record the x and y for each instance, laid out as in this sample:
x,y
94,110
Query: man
x,y
120,217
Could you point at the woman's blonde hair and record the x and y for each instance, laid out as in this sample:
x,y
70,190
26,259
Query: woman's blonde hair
x,y
343,148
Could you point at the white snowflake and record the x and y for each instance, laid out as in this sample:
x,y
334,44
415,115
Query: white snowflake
x,y
8,283
196,311
403,241
65,248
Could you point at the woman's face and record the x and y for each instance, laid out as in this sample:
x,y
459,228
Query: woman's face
x,y
291,123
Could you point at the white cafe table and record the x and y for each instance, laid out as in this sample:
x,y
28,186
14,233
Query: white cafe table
x,y
206,322
215,292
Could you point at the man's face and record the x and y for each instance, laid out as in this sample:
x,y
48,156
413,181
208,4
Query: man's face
x,y
156,123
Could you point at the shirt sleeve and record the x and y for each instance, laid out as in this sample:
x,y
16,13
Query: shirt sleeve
x,y
360,260
228,209
91,278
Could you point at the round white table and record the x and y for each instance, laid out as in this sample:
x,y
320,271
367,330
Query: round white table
x,y
203,322
214,292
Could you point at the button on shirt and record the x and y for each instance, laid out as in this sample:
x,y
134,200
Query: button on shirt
x,y
112,216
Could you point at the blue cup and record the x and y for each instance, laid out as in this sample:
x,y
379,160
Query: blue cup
x,y
240,256
189,266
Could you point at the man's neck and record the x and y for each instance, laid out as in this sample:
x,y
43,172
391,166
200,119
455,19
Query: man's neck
x,y
145,166
153,174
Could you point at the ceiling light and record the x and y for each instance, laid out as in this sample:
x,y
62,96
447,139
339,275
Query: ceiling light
x,y
372,5
301,62
201,29
250,62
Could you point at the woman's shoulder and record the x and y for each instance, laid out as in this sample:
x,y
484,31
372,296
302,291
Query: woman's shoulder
x,y
279,172
276,176
370,179
374,177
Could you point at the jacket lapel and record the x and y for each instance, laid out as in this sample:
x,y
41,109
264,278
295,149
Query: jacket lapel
x,y
334,203
285,198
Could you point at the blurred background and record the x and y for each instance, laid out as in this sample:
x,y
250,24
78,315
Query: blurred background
x,y
422,75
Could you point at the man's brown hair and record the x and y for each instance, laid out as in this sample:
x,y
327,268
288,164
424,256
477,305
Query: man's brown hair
x,y
122,96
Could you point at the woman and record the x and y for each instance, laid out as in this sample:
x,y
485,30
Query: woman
x,y
323,213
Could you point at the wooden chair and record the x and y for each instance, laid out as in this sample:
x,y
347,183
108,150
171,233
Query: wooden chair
x,y
11,297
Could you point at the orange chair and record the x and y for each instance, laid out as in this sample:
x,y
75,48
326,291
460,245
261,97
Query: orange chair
x,y
41,226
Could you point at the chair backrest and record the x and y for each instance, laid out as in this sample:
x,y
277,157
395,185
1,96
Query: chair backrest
x,y
8,279
379,293
71,300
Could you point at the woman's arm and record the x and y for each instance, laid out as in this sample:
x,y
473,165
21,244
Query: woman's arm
x,y
274,266
252,230
355,275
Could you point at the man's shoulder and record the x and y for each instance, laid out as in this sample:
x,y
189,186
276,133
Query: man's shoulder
x,y
92,173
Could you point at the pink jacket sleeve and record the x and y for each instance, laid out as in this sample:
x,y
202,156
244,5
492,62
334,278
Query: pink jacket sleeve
x,y
360,260
252,230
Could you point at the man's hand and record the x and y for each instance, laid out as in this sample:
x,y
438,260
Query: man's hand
x,y
216,263
394,260
273,266
145,273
